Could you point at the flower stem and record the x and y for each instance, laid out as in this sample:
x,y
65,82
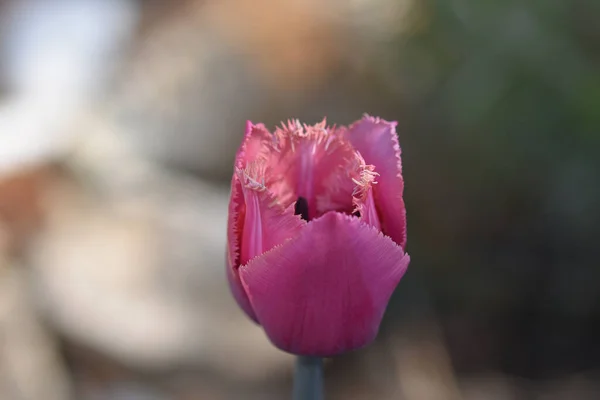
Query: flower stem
x,y
308,378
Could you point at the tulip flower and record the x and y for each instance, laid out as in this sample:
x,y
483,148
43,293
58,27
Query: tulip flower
x,y
316,232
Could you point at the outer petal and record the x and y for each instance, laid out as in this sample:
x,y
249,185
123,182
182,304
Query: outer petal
x,y
253,146
266,223
377,142
257,223
325,292
239,293
235,225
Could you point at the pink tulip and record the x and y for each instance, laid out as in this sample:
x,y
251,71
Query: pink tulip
x,y
317,231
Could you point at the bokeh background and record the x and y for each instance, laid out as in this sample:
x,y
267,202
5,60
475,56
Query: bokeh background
x,y
119,120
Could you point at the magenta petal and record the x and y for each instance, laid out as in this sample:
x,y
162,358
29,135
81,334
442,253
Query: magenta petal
x,y
377,142
257,223
237,211
266,223
254,145
239,293
325,292
315,163
368,210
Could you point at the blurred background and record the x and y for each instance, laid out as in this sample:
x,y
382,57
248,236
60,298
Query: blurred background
x,y
119,120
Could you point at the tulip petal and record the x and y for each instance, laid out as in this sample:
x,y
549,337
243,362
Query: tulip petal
x,y
251,207
266,223
314,163
235,221
377,142
368,212
325,292
254,146
239,293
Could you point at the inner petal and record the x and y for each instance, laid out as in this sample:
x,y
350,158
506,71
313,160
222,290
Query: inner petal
x,y
265,223
314,167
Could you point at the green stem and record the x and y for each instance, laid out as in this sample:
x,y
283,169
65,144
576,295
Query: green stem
x,y
308,379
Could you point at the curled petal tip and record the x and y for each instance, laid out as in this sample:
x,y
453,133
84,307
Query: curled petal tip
x,y
376,120
249,126
377,142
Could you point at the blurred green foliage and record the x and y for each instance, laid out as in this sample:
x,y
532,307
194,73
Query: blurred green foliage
x,y
501,139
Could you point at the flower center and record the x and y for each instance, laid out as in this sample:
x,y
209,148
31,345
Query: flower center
x,y
301,208
315,168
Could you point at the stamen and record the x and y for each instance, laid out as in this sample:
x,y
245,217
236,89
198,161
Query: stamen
x,y
301,208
